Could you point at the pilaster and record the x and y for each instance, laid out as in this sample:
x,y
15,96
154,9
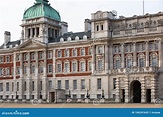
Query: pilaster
x,y
117,98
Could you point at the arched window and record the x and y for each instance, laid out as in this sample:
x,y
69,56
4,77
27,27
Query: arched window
x,y
117,62
153,60
141,60
128,61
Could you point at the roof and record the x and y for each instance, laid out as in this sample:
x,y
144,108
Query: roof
x,y
72,36
9,44
41,9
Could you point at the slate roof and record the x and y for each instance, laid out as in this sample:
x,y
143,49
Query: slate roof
x,y
13,43
72,35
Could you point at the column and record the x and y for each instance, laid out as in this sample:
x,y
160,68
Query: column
x,y
147,54
36,76
122,56
31,33
106,59
21,90
117,98
111,56
134,55
127,89
93,59
44,80
54,67
153,89
160,54
28,79
143,91
14,76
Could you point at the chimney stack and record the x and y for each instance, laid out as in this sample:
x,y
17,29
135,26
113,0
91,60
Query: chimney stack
x,y
87,25
7,37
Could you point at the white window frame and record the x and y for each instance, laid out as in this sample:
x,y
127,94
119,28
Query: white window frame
x,y
82,51
74,62
7,71
59,70
74,52
89,65
1,71
33,56
67,53
7,59
82,69
50,70
66,70
1,59
50,54
59,53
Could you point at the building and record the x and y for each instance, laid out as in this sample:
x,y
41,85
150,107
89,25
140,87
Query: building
x,y
115,58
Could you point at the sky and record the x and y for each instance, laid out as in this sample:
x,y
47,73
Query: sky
x,y
74,12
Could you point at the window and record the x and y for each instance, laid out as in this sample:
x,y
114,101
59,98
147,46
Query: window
x,y
37,31
97,28
98,96
74,52
74,96
12,86
140,46
74,67
114,83
74,84
32,56
59,84
59,67
1,71
82,50
154,60
32,69
117,64
40,85
17,70
66,84
66,53
102,27
41,69
128,48
100,66
82,96
98,83
25,86
50,54
7,86
90,51
25,69
1,59
50,85
41,55
128,63
66,69
17,86
25,56
82,66
18,57
90,66
116,49
141,62
153,46
7,59
50,68
100,49
33,85
1,87
82,84
7,71
59,53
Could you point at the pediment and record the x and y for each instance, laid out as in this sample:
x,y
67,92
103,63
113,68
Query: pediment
x,y
31,44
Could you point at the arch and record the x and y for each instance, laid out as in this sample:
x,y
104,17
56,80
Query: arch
x,y
135,91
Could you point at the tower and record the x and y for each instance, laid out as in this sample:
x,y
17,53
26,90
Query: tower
x,y
41,22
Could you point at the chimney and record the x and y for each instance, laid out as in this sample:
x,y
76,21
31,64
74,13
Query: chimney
x,y
7,37
87,25
64,28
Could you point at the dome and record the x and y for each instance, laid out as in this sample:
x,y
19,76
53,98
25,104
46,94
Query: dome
x,y
41,9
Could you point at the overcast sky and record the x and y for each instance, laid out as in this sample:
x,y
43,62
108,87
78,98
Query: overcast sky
x,y
72,11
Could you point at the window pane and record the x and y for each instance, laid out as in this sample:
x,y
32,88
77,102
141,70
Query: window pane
x,y
98,83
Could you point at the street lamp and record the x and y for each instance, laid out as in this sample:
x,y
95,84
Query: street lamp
x,y
87,94
69,94
103,94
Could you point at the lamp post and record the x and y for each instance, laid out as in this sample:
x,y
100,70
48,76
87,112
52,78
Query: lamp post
x,y
87,94
69,94
103,94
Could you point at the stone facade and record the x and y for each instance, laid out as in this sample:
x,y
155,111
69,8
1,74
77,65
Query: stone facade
x,y
118,57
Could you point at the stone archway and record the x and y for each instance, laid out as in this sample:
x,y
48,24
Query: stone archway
x,y
135,91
